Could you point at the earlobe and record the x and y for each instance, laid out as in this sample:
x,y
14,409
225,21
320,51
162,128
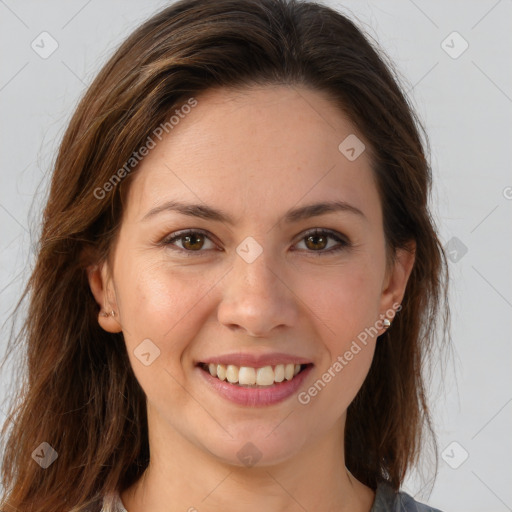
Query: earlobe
x,y
398,276
99,282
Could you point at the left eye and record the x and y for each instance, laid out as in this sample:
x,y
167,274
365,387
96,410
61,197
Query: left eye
x,y
316,241
320,237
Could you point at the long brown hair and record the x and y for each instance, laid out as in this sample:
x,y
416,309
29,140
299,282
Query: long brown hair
x,y
78,392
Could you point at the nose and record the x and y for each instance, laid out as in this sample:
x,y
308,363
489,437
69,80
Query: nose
x,y
257,299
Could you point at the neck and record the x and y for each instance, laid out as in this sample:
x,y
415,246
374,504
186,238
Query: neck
x,y
183,477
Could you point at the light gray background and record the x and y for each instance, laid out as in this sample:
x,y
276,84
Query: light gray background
x,y
466,106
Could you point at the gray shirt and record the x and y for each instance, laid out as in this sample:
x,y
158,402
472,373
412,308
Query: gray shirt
x,y
386,500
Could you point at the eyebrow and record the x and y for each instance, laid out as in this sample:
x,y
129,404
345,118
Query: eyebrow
x,y
294,215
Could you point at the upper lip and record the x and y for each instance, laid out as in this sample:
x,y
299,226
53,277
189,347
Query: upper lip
x,y
255,361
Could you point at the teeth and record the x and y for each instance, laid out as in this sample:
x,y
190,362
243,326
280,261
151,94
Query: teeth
x,y
247,376
265,376
232,373
221,372
279,373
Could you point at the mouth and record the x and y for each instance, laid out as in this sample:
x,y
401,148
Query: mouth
x,y
263,377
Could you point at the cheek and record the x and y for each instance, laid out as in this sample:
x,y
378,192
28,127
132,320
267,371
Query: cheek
x,y
347,306
346,299
163,305
162,310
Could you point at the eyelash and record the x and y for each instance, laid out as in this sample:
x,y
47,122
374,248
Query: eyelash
x,y
343,242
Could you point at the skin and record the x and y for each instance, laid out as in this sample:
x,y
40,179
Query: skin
x,y
255,154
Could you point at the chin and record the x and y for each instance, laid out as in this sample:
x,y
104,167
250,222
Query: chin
x,y
256,447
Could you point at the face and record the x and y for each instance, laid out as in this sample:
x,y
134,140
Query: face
x,y
259,286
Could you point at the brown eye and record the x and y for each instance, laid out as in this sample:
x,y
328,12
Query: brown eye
x,y
193,242
189,241
316,242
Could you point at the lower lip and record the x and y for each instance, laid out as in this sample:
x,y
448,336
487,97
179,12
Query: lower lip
x,y
255,397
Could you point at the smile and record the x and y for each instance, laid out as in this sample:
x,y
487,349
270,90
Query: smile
x,y
246,376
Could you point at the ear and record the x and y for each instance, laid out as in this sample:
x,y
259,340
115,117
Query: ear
x,y
101,284
396,279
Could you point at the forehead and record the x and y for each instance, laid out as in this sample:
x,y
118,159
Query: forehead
x,y
254,151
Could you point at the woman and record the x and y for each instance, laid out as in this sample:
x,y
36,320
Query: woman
x,y
238,279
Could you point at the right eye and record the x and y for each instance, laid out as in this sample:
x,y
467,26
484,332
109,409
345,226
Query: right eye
x,y
191,241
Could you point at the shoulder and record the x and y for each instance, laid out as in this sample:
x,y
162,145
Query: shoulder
x,y
109,502
387,500
112,503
